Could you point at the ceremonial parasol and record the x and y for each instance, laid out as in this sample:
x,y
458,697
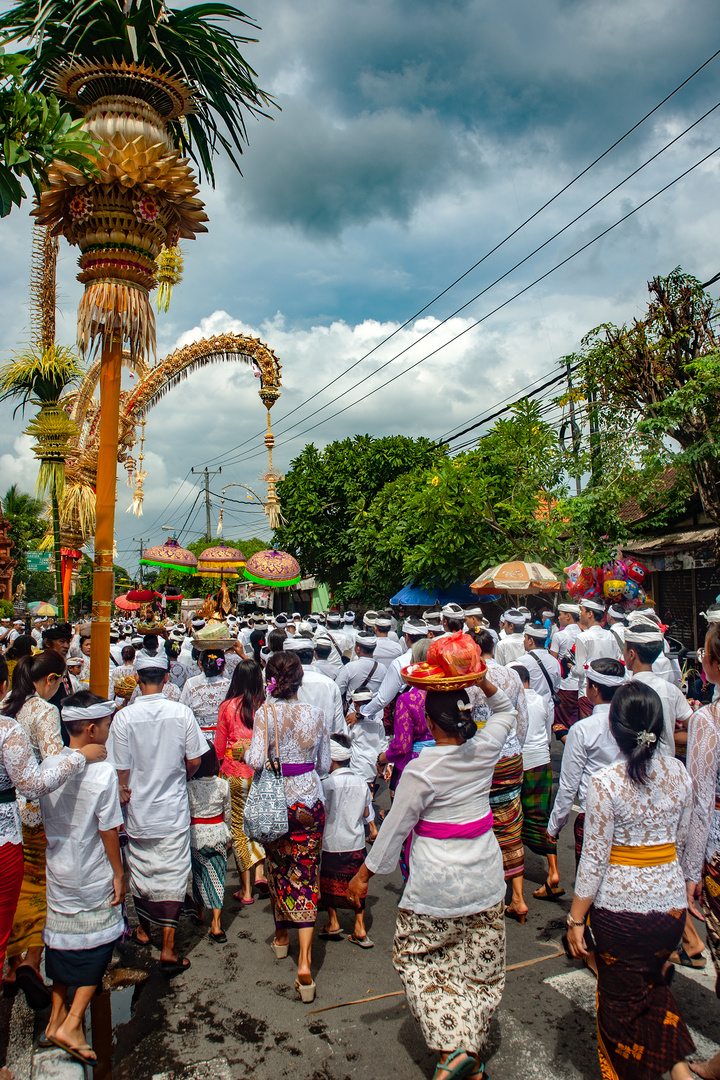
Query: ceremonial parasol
x,y
171,556
276,569
141,596
516,577
45,610
124,604
220,561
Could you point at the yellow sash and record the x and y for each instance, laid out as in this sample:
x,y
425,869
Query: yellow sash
x,y
650,855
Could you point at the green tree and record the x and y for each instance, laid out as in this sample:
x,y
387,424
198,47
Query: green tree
x,y
34,132
447,523
651,389
28,526
324,492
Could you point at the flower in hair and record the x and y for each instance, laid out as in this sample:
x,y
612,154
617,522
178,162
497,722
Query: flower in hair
x,y
464,706
646,738
272,686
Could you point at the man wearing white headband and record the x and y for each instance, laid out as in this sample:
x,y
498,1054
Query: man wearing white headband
x,y
475,621
392,684
643,645
364,672
453,618
388,647
593,642
342,643
562,648
666,666
543,668
512,645
323,646
156,746
349,628
589,747
317,689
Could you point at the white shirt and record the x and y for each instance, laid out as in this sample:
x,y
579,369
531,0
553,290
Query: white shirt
x,y
79,874
366,744
448,784
391,685
536,750
317,689
509,648
116,649
342,643
387,650
667,668
589,747
675,707
153,738
591,644
538,682
326,668
562,645
352,676
347,797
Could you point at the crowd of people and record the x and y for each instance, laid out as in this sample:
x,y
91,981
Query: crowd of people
x,y
157,783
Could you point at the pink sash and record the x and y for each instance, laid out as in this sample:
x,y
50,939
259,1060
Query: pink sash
x,y
445,830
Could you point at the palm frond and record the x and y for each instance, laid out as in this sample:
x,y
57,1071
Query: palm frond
x,y
39,375
199,44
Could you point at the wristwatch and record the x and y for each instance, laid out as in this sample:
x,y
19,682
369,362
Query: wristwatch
x,y
571,922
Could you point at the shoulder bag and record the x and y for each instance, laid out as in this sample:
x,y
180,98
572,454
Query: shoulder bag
x,y
265,818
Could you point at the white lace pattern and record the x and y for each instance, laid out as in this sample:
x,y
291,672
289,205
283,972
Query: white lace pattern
x,y
41,723
620,812
703,765
509,681
304,737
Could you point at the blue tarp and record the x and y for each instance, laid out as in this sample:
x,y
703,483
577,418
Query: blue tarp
x,y
455,594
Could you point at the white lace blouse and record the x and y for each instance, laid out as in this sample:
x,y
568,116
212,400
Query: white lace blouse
x,y
304,737
41,723
507,680
209,797
205,696
703,766
623,813
19,769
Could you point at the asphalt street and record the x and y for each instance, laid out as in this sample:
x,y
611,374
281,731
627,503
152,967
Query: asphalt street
x,y
236,1016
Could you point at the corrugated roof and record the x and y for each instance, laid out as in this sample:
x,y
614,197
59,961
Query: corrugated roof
x,y
631,510
684,538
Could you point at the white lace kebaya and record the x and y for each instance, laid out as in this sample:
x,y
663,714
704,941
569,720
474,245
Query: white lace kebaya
x,y
303,738
620,812
703,766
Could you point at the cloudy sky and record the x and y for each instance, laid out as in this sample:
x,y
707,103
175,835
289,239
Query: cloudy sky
x,y
413,138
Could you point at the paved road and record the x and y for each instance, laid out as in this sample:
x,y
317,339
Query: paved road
x,y
236,1009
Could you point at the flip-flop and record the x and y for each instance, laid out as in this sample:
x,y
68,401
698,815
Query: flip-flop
x,y
75,1051
143,944
464,1068
37,994
698,961
241,899
43,1041
552,892
170,967
363,942
331,935
262,885
220,938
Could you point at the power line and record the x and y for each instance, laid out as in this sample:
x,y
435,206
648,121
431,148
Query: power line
x,y
507,408
487,255
505,303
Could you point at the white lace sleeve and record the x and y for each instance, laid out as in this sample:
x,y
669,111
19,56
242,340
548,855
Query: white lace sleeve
x,y
255,753
597,842
703,761
29,778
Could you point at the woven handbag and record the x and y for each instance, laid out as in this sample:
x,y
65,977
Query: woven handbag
x,y
265,818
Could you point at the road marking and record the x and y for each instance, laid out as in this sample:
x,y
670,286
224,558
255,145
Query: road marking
x,y
579,987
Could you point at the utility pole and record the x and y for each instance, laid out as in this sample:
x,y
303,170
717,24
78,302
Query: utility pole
x,y
207,474
140,541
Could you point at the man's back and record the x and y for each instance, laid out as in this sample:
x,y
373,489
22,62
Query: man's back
x,y
317,689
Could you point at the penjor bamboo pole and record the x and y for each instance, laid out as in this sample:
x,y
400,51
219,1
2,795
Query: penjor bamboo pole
x,y
110,374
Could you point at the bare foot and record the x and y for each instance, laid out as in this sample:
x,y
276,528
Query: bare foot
x,y
5,1074
74,1038
700,1068
330,929
442,1074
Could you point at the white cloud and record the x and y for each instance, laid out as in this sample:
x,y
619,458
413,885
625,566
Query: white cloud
x,y
20,467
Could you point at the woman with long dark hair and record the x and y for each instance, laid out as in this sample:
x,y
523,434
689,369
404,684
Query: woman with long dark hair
x,y
233,735
630,880
35,681
205,693
293,861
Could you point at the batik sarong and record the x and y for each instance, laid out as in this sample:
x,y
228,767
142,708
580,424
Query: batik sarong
x,y
536,805
641,1034
337,869
506,805
246,852
566,712
30,912
453,971
80,947
209,865
159,871
293,867
579,831
711,908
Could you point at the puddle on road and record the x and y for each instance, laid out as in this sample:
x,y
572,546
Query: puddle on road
x,y
111,1009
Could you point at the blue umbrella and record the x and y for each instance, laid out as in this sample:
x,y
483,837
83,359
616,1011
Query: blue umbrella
x,y
416,595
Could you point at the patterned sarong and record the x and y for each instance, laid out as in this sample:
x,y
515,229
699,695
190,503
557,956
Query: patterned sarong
x,y
506,805
337,869
711,908
536,805
159,870
246,852
293,867
453,971
208,875
566,712
641,1034
31,908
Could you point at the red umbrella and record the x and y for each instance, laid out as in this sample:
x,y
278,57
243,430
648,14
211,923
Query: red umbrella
x,y
141,596
124,604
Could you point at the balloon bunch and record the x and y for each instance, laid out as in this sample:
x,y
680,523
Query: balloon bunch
x,y
620,581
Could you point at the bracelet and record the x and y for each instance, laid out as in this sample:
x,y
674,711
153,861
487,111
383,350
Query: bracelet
x,y
571,922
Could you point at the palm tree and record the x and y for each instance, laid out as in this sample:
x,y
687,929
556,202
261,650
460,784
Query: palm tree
x,y
39,377
17,503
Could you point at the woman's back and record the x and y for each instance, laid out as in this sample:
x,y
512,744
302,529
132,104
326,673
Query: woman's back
x,y
303,738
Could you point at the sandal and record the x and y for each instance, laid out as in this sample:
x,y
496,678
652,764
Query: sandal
x,y
552,892
698,961
174,967
363,942
75,1052
518,916
331,935
306,991
464,1068
262,885
143,944
37,994
280,951
221,938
